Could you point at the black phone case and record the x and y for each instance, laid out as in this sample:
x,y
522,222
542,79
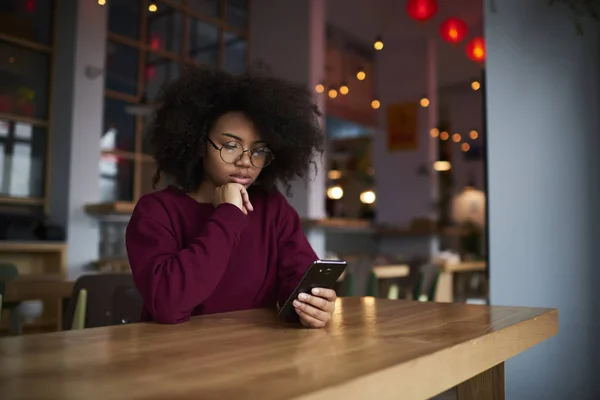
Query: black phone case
x,y
322,274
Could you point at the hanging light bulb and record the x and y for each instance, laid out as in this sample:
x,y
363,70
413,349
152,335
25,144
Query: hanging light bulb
x,y
378,43
375,104
102,2
335,192
424,102
319,88
152,7
332,93
361,75
475,85
367,197
344,89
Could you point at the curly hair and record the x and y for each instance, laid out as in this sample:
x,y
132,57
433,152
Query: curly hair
x,y
283,113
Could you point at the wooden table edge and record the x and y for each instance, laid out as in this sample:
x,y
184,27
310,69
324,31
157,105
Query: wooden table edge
x,y
388,383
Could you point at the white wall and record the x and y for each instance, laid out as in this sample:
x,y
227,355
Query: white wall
x,y
77,124
543,104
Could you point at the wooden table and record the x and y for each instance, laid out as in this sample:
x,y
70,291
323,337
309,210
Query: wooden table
x,y
381,349
445,288
55,288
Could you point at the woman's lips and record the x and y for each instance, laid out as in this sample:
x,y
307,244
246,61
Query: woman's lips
x,y
241,179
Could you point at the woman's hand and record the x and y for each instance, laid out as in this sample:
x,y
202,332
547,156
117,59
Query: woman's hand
x,y
315,310
235,194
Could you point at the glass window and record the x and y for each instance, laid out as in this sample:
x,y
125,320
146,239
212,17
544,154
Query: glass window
x,y
148,170
27,19
165,29
22,159
116,178
203,42
24,78
119,126
235,54
122,68
206,7
124,18
237,13
159,71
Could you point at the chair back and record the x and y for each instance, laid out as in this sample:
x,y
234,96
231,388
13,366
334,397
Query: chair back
x,y
99,292
127,305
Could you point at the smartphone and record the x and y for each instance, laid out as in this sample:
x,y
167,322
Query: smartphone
x,y
321,274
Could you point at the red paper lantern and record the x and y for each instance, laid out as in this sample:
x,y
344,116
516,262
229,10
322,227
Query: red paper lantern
x,y
421,10
453,30
476,49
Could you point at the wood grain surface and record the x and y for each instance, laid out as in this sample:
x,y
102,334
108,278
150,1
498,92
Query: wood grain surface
x,y
385,349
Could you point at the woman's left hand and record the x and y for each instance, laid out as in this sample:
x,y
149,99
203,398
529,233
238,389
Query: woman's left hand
x,y
315,310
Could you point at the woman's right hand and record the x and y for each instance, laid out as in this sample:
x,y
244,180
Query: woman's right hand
x,y
233,193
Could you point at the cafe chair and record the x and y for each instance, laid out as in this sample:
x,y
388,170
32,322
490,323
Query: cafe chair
x,y
8,272
91,303
127,305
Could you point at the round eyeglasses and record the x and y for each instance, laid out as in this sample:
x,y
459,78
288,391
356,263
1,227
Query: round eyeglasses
x,y
232,152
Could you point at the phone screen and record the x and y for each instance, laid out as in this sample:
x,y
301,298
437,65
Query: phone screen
x,y
322,274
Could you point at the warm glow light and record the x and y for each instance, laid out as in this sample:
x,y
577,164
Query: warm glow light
x,y
378,45
319,88
475,85
375,104
152,7
444,135
473,135
367,197
421,10
435,132
424,102
442,166
334,174
465,147
102,2
453,30
344,90
333,93
476,49
456,137
335,192
361,75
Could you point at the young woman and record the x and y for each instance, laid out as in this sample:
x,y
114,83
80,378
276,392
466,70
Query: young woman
x,y
222,237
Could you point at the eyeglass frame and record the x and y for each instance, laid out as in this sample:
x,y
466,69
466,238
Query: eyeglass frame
x,y
244,151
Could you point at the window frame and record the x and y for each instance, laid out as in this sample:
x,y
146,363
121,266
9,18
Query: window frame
x,y
46,123
141,159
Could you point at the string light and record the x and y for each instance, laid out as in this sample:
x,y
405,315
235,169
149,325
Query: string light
x,y
344,89
319,88
473,134
435,132
102,2
367,197
465,147
378,45
333,93
456,137
152,7
475,85
375,104
424,102
361,75
335,192
444,135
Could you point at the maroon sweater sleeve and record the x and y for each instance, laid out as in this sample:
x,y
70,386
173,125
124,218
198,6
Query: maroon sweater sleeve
x,y
174,280
295,252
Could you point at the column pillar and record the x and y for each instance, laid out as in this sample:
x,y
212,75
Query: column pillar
x,y
77,112
289,38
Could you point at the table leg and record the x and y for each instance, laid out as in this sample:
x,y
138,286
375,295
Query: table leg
x,y
488,385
